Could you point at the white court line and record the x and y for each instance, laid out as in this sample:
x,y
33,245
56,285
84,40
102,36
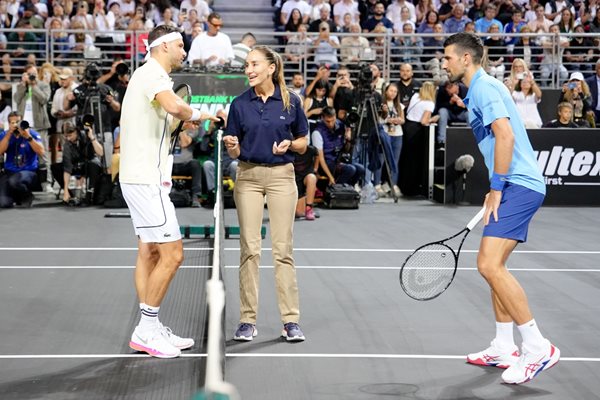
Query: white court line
x,y
268,355
323,267
315,249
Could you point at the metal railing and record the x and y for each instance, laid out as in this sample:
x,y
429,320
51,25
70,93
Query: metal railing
x,y
74,47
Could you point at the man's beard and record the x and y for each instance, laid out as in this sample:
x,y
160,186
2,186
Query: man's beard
x,y
455,78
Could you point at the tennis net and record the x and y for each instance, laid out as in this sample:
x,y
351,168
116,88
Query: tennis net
x,y
215,387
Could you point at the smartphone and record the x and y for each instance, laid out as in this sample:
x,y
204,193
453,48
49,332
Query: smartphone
x,y
572,85
520,75
184,11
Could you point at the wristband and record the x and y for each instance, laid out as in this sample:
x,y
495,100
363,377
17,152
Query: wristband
x,y
196,114
498,181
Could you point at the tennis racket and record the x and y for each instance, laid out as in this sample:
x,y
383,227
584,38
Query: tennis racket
x,y
430,269
175,126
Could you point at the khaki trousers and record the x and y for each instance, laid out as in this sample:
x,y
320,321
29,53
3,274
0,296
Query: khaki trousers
x,y
278,184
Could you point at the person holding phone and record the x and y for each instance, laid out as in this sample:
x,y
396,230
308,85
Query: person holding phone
x,y
266,125
577,92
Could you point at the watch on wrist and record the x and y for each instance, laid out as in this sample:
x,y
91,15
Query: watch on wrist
x,y
29,139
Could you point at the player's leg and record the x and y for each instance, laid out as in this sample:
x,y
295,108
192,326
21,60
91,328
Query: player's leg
x,y
281,199
146,261
502,352
249,200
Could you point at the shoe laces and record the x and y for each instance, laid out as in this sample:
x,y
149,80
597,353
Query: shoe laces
x,y
243,326
292,326
165,330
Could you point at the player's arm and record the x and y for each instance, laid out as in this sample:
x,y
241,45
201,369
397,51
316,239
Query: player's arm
x,y
178,108
503,152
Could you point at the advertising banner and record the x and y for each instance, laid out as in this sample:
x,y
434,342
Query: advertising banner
x,y
569,160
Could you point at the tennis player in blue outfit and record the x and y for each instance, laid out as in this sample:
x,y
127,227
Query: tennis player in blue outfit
x,y
517,190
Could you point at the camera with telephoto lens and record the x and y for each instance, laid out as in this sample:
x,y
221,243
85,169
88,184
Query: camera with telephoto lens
x,y
22,125
32,77
84,123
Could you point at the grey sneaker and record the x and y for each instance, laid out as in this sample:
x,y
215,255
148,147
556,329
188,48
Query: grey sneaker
x,y
292,332
245,332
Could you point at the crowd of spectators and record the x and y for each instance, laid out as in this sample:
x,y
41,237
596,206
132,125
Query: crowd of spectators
x,y
53,98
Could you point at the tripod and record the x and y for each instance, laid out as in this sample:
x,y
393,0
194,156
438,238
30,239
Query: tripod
x,y
368,109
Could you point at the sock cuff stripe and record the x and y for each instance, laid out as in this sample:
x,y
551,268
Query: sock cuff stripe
x,y
149,313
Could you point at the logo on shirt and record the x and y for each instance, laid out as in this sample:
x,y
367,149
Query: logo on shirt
x,y
167,235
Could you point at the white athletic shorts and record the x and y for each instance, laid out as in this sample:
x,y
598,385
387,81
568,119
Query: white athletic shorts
x,y
152,212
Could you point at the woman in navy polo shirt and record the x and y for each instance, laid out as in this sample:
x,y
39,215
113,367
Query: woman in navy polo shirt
x,y
266,123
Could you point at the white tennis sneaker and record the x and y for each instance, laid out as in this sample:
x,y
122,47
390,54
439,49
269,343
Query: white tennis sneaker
x,y
495,357
531,364
179,342
153,342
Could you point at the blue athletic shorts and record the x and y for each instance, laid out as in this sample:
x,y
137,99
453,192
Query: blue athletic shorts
x,y
517,207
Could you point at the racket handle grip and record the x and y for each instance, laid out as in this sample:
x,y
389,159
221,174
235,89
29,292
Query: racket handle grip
x,y
473,222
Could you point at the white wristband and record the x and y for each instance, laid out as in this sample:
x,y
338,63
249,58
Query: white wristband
x,y
196,114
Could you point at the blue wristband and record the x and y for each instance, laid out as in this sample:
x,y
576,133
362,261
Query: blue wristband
x,y
498,181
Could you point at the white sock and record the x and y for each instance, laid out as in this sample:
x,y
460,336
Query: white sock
x,y
532,337
149,317
504,335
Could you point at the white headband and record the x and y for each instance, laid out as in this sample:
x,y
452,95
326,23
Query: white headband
x,y
169,37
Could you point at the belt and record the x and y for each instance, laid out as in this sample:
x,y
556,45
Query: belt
x,y
254,164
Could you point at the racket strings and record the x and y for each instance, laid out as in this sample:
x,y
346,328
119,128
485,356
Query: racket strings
x,y
428,271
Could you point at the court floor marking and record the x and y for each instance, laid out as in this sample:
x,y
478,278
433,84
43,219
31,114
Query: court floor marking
x,y
320,267
270,355
312,249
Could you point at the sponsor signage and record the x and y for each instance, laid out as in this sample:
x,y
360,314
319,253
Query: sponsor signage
x,y
569,160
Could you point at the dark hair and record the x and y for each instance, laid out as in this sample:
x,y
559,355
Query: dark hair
x,y
69,127
248,35
159,31
13,114
213,15
328,112
467,42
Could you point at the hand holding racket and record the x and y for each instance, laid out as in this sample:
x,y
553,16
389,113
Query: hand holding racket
x,y
430,269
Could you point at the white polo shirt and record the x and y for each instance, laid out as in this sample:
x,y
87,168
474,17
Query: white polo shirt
x,y
144,139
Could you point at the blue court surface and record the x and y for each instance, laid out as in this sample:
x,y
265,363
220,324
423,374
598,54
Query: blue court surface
x,y
68,309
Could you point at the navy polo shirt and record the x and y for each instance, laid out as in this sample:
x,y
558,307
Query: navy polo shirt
x,y
258,124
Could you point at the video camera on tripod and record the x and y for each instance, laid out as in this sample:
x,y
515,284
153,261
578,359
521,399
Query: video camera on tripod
x,y
364,91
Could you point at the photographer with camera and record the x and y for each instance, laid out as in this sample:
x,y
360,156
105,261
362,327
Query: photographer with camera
x,y
32,97
23,147
228,164
332,138
81,159
97,99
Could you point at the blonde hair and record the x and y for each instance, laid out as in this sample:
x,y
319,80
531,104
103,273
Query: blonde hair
x,y
427,91
278,79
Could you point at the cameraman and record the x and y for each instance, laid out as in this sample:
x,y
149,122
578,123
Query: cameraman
x,y
228,164
81,158
22,146
82,96
331,138
32,97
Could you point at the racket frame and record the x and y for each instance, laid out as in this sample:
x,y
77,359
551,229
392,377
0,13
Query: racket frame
x,y
179,128
472,223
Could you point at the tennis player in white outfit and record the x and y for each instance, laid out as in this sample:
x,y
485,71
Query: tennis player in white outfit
x,y
146,182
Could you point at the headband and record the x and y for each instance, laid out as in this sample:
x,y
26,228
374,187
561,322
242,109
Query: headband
x,y
169,37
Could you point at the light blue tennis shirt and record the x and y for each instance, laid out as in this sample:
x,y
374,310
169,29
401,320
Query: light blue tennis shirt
x,y
488,100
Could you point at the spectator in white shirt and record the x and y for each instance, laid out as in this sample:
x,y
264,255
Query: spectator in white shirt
x,y
288,6
344,7
199,5
394,11
212,47
553,9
